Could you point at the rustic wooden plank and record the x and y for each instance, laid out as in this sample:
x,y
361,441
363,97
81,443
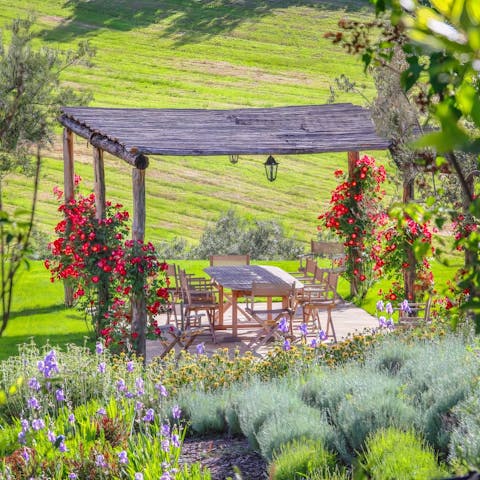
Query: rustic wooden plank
x,y
99,183
68,195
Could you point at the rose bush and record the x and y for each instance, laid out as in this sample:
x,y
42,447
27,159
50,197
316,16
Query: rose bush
x,y
105,269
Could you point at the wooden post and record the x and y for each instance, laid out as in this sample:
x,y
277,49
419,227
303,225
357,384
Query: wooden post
x,y
139,308
353,252
409,273
69,194
100,205
99,185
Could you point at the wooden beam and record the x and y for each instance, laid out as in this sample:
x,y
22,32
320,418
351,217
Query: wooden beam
x,y
139,308
137,160
99,182
69,194
353,158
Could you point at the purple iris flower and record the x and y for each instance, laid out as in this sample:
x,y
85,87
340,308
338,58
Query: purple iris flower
x,y
175,440
166,476
405,307
389,308
149,415
100,461
283,325
200,348
130,366
33,403
122,457
38,424
286,345
166,445
34,384
165,430
303,329
102,367
72,476
138,476
71,418
314,343
51,436
176,412
121,385
21,437
322,335
60,395
99,348
140,386
101,411
382,321
24,424
380,306
62,447
138,406
25,455
161,389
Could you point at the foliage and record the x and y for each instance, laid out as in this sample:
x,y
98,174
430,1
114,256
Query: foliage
x,y
391,454
449,93
465,437
30,98
107,269
232,234
300,459
353,215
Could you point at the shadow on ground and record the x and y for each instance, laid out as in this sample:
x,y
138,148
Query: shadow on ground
x,y
186,21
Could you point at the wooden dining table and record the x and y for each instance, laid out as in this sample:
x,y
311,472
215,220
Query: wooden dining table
x,y
237,280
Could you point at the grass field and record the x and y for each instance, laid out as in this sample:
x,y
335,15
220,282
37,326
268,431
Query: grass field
x,y
209,54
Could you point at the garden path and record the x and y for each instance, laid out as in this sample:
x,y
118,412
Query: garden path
x,y
347,318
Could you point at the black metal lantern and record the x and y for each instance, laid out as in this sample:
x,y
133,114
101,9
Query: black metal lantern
x,y
271,167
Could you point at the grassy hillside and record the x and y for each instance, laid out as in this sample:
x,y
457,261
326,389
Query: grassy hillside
x,y
201,54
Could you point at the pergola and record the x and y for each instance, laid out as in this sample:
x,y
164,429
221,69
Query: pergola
x,y
134,133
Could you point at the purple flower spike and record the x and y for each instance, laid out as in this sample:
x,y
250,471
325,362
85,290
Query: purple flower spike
x,y
72,476
102,367
382,321
286,345
380,306
33,403
51,436
34,384
405,307
303,329
100,461
176,412
166,476
389,308
166,445
130,366
161,389
138,476
283,325
149,415
322,335
21,437
165,430
99,348
101,411
175,440
71,418
60,395
122,457
200,348
38,424
25,455
314,343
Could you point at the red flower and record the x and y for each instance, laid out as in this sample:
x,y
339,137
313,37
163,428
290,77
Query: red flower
x,y
95,279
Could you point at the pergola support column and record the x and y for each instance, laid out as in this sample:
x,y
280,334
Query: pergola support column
x,y
355,253
69,194
139,308
100,205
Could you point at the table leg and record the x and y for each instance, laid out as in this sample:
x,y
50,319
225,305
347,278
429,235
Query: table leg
x,y
220,309
234,313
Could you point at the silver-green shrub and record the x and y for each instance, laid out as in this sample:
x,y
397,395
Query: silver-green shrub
x,y
294,421
465,438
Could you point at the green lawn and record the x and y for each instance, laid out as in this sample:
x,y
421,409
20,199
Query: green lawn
x,y
212,54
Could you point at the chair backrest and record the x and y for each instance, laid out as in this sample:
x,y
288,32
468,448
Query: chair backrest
x,y
418,311
172,274
310,267
335,251
221,260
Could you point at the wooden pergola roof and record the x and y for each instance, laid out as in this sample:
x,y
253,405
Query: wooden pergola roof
x,y
133,133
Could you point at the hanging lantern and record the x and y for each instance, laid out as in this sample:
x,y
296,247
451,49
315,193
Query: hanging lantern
x,y
271,167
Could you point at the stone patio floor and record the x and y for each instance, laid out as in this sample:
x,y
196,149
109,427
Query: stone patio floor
x,y
347,319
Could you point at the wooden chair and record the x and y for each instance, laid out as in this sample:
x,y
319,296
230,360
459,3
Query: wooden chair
x,y
335,251
174,294
418,313
198,295
171,337
221,260
319,297
271,318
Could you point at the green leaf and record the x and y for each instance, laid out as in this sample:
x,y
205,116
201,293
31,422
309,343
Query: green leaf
x,y
3,397
468,102
430,201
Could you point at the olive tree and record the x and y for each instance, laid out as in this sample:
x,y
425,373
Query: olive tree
x,y
31,95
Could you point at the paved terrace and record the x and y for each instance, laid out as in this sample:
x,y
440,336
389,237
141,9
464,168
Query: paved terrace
x,y
347,318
